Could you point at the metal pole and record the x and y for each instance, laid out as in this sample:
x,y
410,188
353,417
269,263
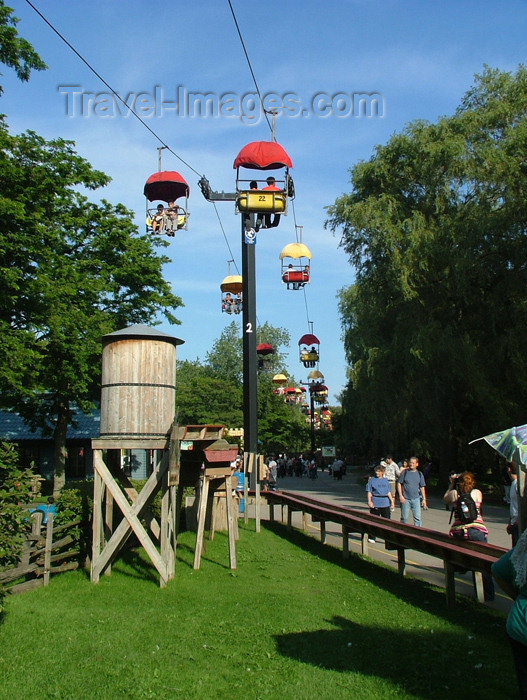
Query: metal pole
x,y
250,366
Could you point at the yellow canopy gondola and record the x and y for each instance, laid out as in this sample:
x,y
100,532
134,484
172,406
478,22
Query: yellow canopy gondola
x,y
315,376
231,294
295,265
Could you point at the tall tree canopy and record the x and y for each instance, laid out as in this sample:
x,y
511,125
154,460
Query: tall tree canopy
x,y
72,271
16,52
212,392
435,226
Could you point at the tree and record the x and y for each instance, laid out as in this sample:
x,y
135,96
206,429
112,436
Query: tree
x,y
435,226
213,392
226,355
16,52
73,270
203,397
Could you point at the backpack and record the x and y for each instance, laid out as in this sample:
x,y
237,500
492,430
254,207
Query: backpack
x,y
466,509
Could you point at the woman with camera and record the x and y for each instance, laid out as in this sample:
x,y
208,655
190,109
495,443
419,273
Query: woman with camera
x,y
465,502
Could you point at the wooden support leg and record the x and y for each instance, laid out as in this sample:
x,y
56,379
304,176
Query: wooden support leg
x,y
345,542
450,585
364,543
202,511
401,561
215,507
271,512
164,535
230,522
108,525
97,523
289,519
477,578
323,531
304,521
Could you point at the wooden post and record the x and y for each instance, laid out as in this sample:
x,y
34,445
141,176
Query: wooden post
x,y
230,521
258,511
108,525
345,542
323,531
97,523
364,543
450,584
401,561
47,550
289,518
477,578
304,521
202,512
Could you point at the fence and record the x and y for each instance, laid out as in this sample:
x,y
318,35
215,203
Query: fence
x,y
46,551
457,555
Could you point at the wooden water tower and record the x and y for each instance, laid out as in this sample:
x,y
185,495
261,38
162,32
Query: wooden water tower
x,y
137,412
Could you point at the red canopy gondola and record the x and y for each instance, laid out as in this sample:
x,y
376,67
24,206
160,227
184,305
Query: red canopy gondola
x,y
262,155
264,349
309,339
167,186
316,388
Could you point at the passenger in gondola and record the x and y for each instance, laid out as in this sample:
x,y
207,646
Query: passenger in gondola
x,y
158,220
227,303
237,303
248,219
287,276
171,221
271,186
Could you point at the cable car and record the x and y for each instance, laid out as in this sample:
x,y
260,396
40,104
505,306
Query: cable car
x,y
231,294
309,346
264,352
279,380
290,394
262,201
166,186
316,376
295,265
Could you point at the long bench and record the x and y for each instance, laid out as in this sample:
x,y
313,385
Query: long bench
x,y
457,555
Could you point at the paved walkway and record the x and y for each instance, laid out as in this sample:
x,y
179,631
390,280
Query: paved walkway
x,y
351,492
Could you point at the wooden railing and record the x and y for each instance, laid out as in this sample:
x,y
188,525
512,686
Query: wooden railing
x,y
457,555
46,550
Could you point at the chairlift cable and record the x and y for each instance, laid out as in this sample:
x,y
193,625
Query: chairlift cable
x,y
250,66
118,97
110,88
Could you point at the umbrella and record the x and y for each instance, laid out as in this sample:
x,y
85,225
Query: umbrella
x,y
510,444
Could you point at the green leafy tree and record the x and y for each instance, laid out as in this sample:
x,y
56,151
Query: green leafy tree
x,y
73,270
16,52
226,355
203,397
435,227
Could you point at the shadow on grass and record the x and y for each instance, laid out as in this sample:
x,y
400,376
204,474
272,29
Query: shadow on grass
x,y
418,661
413,591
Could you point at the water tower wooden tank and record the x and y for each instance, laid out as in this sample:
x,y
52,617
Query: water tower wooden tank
x,y
138,389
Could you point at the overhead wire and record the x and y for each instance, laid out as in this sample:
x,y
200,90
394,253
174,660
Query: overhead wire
x,y
249,64
152,131
131,110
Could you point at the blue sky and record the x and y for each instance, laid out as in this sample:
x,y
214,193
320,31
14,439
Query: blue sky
x,y
419,57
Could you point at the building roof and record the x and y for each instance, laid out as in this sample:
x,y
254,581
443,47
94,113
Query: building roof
x,y
15,429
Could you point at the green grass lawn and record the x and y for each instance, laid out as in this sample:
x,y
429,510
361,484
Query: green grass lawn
x,y
294,621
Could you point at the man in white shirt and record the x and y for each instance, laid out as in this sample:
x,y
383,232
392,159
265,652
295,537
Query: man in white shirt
x,y
391,472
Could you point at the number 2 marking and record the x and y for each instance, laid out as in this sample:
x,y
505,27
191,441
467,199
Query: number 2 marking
x,y
249,327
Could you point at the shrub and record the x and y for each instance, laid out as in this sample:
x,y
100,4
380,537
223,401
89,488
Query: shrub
x,y
15,484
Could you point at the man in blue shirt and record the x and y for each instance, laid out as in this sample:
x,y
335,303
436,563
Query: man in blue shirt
x,y
411,487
